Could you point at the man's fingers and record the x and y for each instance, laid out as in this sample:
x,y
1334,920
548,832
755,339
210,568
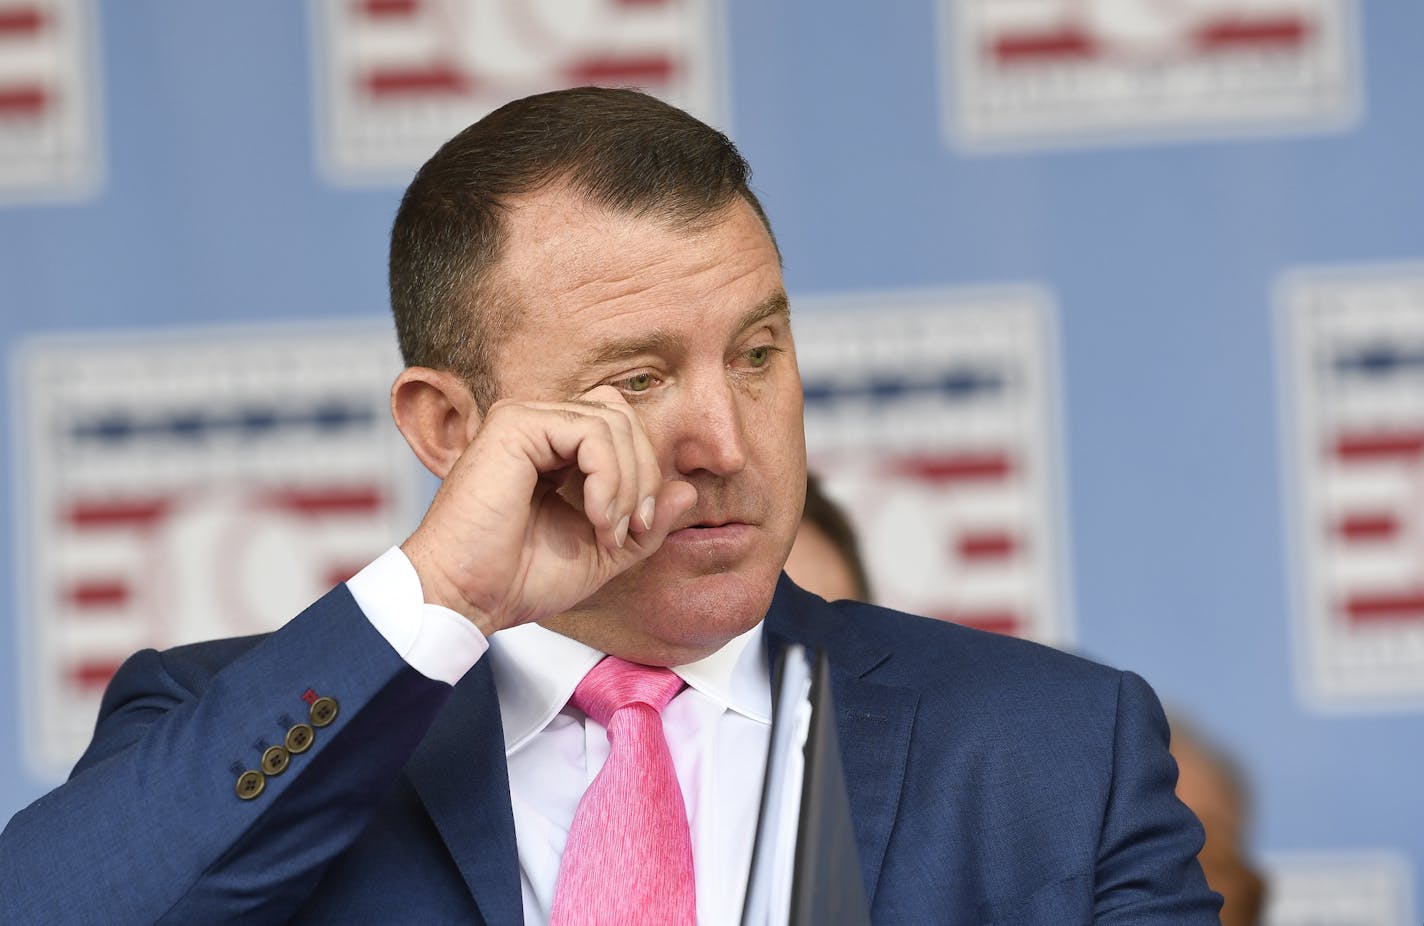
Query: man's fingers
x,y
673,500
647,474
627,498
576,449
602,436
605,461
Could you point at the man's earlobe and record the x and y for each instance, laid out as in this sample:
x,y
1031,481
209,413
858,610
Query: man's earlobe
x,y
437,414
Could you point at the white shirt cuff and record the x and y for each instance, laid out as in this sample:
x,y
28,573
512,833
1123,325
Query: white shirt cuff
x,y
433,640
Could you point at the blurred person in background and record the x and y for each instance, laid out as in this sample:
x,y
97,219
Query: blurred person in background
x,y
825,559
1213,786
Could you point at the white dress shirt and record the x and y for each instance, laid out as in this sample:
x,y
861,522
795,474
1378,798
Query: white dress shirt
x,y
717,729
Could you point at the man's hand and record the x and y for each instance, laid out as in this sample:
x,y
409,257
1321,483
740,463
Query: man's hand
x,y
547,503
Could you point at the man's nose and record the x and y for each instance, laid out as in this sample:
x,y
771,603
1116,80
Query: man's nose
x,y
707,433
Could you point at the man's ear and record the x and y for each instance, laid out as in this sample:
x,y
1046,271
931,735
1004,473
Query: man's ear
x,y
437,413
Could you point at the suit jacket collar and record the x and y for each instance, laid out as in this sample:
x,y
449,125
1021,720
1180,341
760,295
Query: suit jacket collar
x,y
873,719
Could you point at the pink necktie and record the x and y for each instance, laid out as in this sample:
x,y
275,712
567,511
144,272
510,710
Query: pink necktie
x,y
628,859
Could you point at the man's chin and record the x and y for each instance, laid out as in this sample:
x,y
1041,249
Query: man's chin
x,y
670,622
713,609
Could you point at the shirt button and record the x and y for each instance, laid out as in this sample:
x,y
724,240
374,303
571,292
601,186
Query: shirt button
x,y
323,711
275,759
250,784
299,738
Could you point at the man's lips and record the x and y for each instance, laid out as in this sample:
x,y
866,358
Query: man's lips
x,y
712,532
707,524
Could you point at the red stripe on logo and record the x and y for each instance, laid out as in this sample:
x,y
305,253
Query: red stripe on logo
x,y
94,674
1357,528
21,21
1283,32
23,100
988,545
1405,606
1352,448
1067,44
965,467
139,513
316,502
98,594
653,69
382,9
436,80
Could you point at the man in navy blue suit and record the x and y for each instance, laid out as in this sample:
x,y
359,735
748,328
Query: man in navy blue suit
x,y
600,369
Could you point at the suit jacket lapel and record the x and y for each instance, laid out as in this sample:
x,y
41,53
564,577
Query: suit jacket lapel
x,y
873,720
460,774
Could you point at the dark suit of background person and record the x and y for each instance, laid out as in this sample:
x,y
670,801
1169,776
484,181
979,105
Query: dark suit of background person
x,y
991,780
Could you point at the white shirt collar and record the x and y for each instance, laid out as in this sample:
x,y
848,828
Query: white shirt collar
x,y
536,672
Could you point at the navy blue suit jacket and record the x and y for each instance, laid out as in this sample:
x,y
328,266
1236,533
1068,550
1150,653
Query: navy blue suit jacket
x,y
991,781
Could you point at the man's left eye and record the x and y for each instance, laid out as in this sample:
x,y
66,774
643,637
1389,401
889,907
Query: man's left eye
x,y
638,382
758,356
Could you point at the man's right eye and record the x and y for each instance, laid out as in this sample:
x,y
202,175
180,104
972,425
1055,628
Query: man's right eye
x,y
638,382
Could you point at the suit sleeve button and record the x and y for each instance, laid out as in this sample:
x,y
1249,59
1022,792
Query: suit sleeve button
x,y
299,738
250,784
275,759
323,712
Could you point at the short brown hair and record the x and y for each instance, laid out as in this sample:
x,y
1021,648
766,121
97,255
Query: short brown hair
x,y
622,149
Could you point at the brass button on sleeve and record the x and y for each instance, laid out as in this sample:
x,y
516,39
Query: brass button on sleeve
x,y
323,712
299,738
250,784
275,759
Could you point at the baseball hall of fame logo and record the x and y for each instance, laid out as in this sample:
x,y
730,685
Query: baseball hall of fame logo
x,y
932,417
1352,357
396,78
1021,73
189,485
49,135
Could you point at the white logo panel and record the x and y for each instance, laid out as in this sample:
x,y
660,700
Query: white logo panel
x,y
186,486
1050,72
397,78
1353,359
1348,889
932,418
49,136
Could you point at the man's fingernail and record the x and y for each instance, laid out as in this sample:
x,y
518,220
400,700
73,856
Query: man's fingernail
x,y
620,533
646,512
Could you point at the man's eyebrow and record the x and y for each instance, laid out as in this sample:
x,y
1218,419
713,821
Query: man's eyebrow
x,y
662,343
654,342
775,304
